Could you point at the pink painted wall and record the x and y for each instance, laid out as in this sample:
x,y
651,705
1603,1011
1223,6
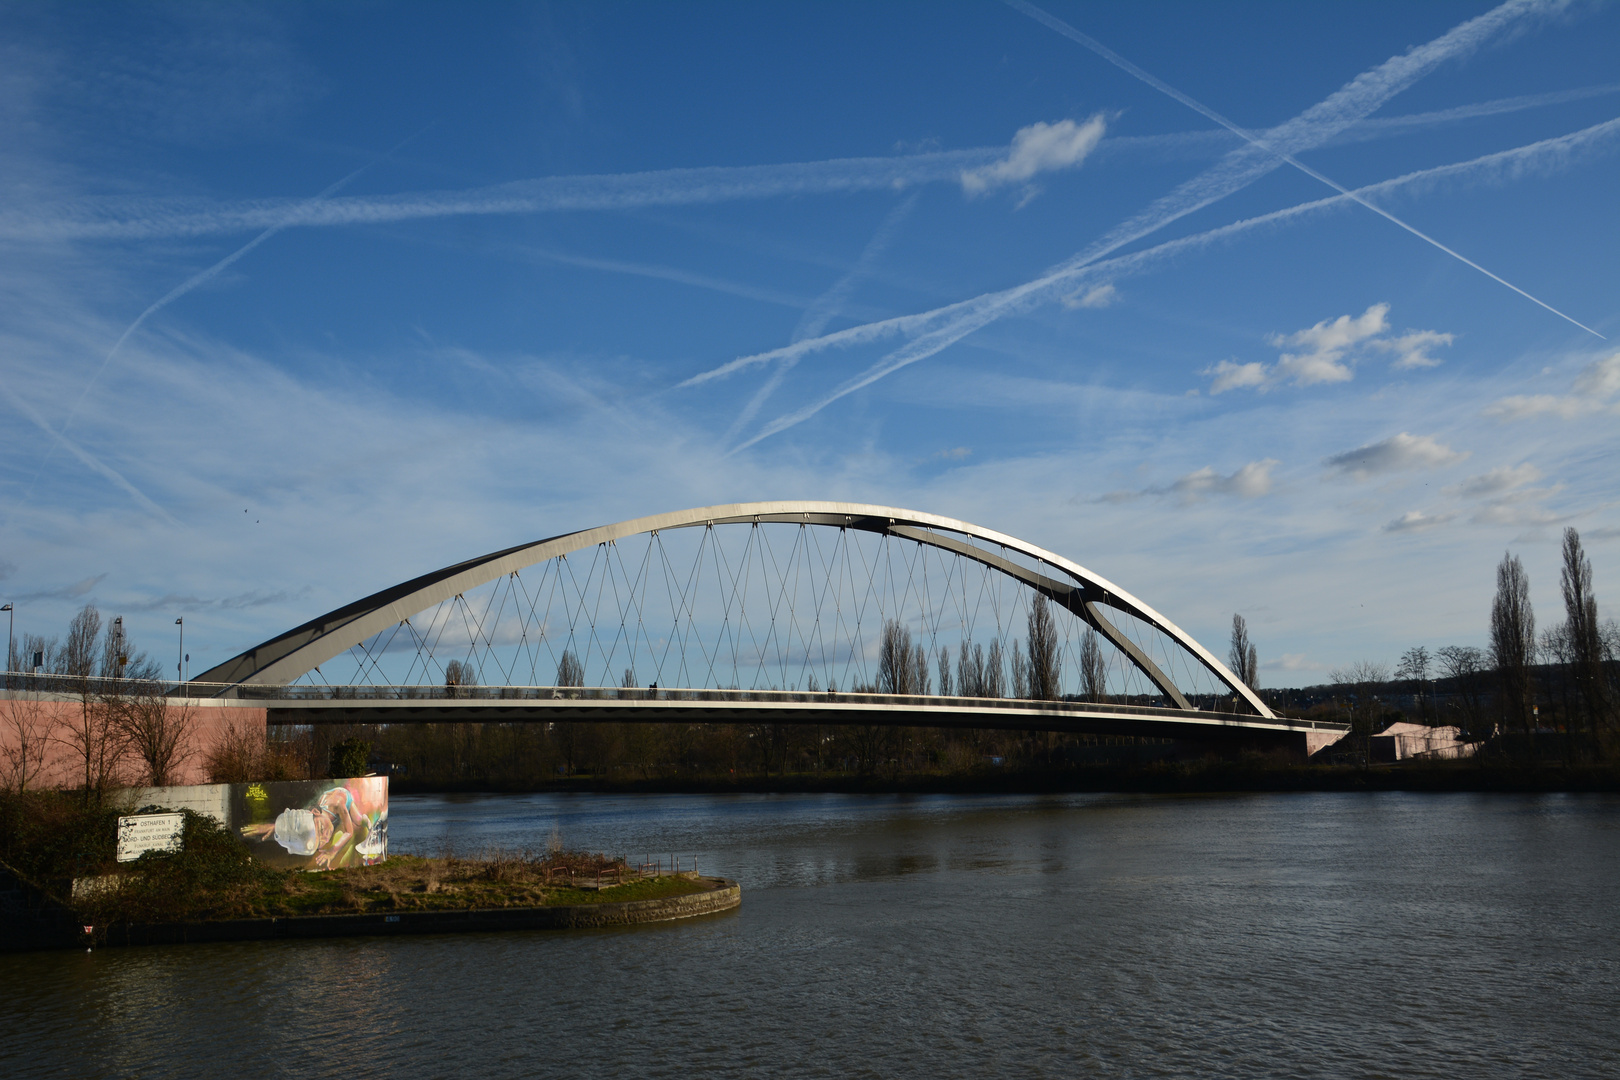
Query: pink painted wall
x,y
48,717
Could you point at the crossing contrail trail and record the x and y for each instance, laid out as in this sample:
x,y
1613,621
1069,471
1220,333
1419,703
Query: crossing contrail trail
x,y
934,331
202,277
1264,143
1561,149
1239,168
828,304
147,218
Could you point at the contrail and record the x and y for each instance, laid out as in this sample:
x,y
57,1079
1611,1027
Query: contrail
x,y
125,219
1281,152
613,191
1350,103
1382,127
199,278
91,462
828,304
1562,148
655,271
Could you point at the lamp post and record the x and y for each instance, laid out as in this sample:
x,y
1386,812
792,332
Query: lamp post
x,y
180,660
11,622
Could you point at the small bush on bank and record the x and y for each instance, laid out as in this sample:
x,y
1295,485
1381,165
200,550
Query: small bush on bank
x,y
51,837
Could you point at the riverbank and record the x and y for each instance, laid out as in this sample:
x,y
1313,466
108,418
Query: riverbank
x,y
1152,778
676,898
406,895
60,885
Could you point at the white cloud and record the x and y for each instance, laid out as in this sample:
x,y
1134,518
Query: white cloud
x,y
1038,148
1417,521
1398,453
1250,482
1523,406
1593,388
1290,662
1496,481
1412,348
1334,337
1325,353
1323,347
1312,368
1600,379
1232,376
1505,512
1099,297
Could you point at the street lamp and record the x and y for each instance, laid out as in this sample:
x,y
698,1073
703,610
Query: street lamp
x,y
118,648
11,622
180,662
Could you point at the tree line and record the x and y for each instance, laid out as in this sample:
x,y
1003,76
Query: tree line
x,y
1526,693
126,729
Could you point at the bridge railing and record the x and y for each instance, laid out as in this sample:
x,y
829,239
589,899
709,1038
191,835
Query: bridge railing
x,y
305,694
515,695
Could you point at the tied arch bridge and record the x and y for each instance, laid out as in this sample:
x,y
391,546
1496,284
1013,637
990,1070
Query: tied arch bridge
x,y
769,612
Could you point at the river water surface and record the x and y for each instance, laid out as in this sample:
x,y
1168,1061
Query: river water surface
x,y
1266,935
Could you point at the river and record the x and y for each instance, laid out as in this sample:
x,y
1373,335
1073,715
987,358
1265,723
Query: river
x,y
1310,935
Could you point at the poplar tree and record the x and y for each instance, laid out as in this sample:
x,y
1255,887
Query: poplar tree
x,y
1583,637
1513,640
1045,665
1093,672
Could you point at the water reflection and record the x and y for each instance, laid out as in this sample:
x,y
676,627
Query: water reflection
x,y
1300,935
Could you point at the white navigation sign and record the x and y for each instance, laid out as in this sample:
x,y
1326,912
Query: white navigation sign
x,y
140,833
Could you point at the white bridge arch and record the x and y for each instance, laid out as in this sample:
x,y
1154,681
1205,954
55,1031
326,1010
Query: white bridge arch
x,y
1092,599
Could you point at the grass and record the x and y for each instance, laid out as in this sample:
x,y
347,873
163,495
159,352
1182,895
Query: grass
x,y
415,883
212,877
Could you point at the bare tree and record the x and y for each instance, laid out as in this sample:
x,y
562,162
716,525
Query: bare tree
x,y
945,671
121,662
995,671
1583,635
970,680
31,652
1464,667
1045,663
156,730
1242,657
902,667
92,736
242,752
570,672
1360,682
1093,672
77,657
457,677
26,733
921,681
1414,668
1513,640
1020,671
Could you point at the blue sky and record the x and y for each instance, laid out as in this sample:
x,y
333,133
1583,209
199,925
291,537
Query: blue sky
x,y
301,301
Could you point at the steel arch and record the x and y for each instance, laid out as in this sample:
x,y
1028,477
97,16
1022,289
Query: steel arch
x,y
287,656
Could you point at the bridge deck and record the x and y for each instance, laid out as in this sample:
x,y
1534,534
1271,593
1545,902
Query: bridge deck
x,y
396,705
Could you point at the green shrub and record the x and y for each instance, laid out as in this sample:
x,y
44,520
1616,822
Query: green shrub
x,y
351,757
212,875
51,837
